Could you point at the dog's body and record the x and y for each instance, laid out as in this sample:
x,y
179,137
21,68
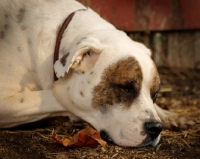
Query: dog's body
x,y
105,78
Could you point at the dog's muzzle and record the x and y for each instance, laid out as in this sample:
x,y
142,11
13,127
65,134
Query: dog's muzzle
x,y
152,129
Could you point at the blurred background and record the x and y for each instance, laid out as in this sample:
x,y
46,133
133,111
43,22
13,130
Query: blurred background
x,y
169,27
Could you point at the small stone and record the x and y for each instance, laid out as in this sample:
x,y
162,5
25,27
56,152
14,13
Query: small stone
x,y
103,149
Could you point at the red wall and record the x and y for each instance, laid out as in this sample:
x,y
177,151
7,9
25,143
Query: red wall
x,y
148,15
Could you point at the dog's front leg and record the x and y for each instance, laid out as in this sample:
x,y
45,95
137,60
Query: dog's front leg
x,y
27,107
171,119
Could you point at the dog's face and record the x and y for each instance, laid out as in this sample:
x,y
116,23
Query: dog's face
x,y
112,86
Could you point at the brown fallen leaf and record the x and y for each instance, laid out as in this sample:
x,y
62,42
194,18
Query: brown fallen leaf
x,y
85,137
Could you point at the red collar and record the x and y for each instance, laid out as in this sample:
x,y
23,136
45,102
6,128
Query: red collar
x,y
59,37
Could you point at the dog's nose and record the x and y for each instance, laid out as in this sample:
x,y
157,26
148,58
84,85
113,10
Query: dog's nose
x,y
104,135
153,128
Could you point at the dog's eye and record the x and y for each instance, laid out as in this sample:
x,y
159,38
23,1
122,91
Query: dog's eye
x,y
128,89
154,96
125,88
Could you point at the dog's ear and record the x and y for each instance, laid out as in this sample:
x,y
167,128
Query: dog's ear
x,y
80,58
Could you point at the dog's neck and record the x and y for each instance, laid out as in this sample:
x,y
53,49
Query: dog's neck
x,y
83,24
59,37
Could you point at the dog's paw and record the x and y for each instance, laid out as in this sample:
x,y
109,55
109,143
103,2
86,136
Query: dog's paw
x,y
171,120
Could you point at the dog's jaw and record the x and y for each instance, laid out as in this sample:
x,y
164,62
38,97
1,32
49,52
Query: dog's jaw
x,y
156,141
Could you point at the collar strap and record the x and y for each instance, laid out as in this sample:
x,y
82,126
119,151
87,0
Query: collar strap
x,y
59,37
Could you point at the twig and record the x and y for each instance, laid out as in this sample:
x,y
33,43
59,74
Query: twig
x,y
158,147
114,155
26,131
42,136
186,143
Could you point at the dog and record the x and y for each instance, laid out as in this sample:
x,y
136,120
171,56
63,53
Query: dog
x,y
101,75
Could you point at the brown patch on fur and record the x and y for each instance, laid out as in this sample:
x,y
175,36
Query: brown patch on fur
x,y
20,15
155,84
64,59
120,84
21,100
6,16
2,34
88,82
23,27
19,49
81,93
29,41
91,72
6,26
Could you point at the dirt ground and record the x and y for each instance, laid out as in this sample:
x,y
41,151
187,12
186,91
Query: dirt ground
x,y
180,92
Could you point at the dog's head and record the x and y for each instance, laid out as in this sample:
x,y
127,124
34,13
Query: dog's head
x,y
111,82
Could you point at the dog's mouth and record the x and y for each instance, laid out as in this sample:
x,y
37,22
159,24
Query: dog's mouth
x,y
105,136
147,142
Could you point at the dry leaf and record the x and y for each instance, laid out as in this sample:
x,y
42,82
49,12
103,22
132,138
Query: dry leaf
x,y
85,137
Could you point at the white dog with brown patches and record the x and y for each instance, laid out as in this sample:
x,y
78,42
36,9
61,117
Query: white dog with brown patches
x,y
104,77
